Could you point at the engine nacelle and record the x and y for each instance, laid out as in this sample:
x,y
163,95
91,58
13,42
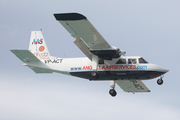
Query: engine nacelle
x,y
121,52
108,54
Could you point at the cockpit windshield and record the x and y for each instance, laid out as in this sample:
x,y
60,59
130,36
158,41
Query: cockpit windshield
x,y
142,60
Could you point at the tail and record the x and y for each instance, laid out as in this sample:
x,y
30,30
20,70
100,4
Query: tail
x,y
37,45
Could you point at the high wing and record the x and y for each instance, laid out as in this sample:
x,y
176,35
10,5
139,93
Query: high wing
x,y
88,39
132,85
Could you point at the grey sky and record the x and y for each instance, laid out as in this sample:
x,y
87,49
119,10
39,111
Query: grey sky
x,y
148,28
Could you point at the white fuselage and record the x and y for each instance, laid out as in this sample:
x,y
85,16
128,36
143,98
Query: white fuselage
x,y
107,70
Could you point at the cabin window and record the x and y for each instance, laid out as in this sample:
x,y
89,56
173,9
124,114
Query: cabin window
x,y
132,61
121,61
141,60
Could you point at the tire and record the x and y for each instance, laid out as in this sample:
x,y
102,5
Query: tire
x,y
112,92
159,81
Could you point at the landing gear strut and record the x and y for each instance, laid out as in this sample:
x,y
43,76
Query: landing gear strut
x,y
112,92
95,60
160,81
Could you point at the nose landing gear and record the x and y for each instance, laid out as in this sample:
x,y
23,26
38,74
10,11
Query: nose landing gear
x,y
112,92
160,81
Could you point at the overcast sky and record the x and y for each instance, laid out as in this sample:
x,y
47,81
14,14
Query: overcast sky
x,y
148,28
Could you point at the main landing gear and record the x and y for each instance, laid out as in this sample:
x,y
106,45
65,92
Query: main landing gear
x,y
112,92
160,81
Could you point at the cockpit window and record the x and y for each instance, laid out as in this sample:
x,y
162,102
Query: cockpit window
x,y
132,61
121,61
141,60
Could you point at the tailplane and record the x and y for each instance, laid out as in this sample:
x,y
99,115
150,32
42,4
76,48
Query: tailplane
x,y
31,61
37,45
38,51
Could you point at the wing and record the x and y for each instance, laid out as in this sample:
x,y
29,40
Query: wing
x,y
132,85
80,28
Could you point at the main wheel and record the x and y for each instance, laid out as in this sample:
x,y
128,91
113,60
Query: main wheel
x,y
160,81
112,92
95,75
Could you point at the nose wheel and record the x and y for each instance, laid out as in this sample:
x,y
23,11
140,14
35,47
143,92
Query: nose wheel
x,y
160,81
112,92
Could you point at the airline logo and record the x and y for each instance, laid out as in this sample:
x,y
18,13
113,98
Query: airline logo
x,y
38,41
41,55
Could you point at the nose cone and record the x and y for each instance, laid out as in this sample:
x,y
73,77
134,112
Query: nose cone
x,y
158,68
164,70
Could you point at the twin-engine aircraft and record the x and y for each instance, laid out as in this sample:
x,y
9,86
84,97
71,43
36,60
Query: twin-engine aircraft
x,y
103,61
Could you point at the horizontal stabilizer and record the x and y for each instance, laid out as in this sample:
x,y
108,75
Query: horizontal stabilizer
x,y
132,85
25,56
31,61
40,70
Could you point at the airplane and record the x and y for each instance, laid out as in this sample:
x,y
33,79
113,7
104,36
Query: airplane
x,y
103,62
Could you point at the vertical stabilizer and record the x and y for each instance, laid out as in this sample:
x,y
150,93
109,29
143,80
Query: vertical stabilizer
x,y
38,45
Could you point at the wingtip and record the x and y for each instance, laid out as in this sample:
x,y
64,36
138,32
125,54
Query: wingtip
x,y
69,16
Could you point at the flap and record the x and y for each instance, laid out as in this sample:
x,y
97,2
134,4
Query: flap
x,y
83,47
